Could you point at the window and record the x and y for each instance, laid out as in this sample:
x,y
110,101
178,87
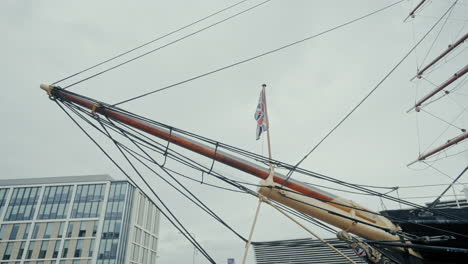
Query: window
x,y
82,232
60,231
26,231
66,245
55,202
56,249
22,204
32,244
21,250
3,196
48,230
91,248
70,229
36,230
88,197
7,254
2,231
43,250
79,248
14,231
95,227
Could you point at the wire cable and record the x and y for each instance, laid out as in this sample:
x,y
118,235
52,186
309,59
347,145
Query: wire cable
x,y
369,94
150,42
179,227
259,55
168,44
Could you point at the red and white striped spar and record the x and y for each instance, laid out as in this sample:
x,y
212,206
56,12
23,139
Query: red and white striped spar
x,y
322,202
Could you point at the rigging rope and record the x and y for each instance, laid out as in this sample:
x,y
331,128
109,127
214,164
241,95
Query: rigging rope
x,y
259,55
173,221
150,42
368,95
284,165
168,44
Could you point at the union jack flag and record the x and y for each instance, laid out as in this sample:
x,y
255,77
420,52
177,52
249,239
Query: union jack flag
x,y
260,115
359,251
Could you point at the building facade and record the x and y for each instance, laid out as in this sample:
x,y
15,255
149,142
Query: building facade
x,y
76,220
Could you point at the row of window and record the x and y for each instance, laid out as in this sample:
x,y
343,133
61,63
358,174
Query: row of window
x,y
112,222
88,201
147,216
47,249
146,239
70,261
55,202
142,255
3,196
22,204
48,230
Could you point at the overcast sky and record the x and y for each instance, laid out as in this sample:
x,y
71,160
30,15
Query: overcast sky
x,y
311,86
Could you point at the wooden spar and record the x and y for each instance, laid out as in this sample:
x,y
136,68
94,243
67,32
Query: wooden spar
x,y
449,143
450,48
184,142
442,86
332,205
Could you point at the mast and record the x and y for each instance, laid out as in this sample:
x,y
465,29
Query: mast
x,y
441,87
449,49
449,143
342,213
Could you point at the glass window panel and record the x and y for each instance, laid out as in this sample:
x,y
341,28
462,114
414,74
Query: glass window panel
x,y
23,203
91,248
43,250
26,231
82,231
60,231
2,231
66,245
78,249
48,230
32,244
95,227
36,230
70,229
56,249
8,249
21,250
14,232
3,197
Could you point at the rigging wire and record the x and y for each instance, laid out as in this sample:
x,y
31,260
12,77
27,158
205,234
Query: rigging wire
x,y
298,214
445,130
179,225
259,55
441,119
151,160
168,44
433,204
356,208
197,201
280,164
150,42
437,36
441,172
314,175
369,94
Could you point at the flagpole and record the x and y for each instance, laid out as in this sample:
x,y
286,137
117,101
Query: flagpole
x,y
267,121
260,197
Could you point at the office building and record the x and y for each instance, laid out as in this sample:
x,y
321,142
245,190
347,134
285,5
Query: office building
x,y
76,220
